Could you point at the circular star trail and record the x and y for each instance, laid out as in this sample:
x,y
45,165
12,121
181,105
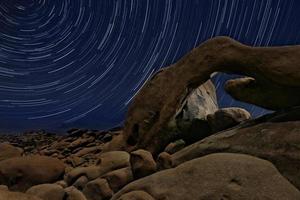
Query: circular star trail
x,y
67,63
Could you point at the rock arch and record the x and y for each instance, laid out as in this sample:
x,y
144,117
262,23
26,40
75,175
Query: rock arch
x,y
274,84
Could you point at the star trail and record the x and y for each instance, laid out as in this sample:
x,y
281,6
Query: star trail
x,y
66,63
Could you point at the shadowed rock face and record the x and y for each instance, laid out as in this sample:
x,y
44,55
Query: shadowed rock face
x,y
216,176
276,80
274,137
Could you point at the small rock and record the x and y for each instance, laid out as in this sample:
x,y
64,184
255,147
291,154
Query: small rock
x,y
60,145
88,150
107,162
73,194
55,155
142,163
107,138
75,161
80,142
68,169
164,161
48,152
81,182
119,178
91,172
77,132
175,146
62,183
98,190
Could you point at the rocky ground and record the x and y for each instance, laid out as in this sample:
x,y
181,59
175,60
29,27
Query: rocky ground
x,y
191,150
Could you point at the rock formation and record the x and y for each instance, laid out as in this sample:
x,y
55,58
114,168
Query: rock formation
x,y
176,143
274,71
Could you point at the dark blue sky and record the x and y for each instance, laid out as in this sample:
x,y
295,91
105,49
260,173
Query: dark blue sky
x,y
66,63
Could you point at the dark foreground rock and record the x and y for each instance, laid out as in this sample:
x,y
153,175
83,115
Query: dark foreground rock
x,y
47,191
275,138
9,151
217,176
6,195
23,172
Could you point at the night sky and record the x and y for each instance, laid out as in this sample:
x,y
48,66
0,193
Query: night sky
x,y
79,63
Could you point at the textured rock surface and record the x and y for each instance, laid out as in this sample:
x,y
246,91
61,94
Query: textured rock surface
x,y
81,182
98,190
266,93
107,162
9,151
73,194
275,137
114,159
224,176
164,161
136,195
199,103
142,163
175,146
47,191
91,172
118,178
275,69
226,118
6,195
21,173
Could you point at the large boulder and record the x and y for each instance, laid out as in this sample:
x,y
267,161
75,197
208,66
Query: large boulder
x,y
274,137
275,72
7,195
21,173
216,176
47,191
9,151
